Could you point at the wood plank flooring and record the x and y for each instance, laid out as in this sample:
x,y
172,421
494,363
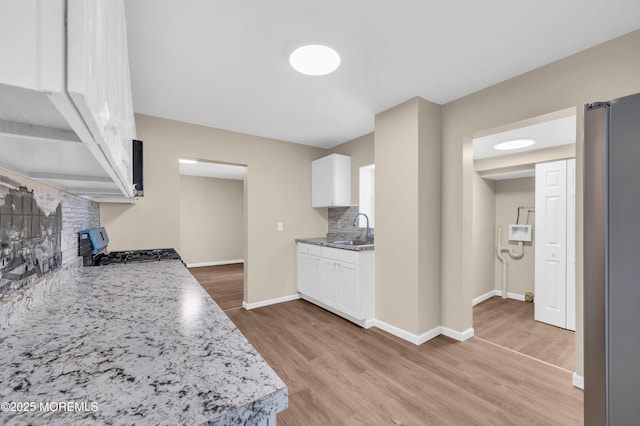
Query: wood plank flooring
x,y
338,373
224,283
510,323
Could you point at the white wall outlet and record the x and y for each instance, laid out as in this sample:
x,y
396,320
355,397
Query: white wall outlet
x,y
280,226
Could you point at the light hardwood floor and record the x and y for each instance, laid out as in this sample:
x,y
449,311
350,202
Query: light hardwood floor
x,y
339,373
510,323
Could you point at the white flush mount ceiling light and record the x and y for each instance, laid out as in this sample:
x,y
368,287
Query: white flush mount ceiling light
x,y
185,161
514,144
314,59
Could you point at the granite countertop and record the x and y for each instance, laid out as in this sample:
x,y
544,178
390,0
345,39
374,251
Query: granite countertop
x,y
135,343
328,243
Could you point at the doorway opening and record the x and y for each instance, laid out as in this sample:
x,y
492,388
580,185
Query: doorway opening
x,y
213,228
512,222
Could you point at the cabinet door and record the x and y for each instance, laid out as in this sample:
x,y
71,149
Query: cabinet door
x,y
32,42
331,181
328,281
322,182
99,85
348,290
309,275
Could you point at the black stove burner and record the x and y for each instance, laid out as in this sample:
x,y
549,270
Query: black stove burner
x,y
92,246
136,256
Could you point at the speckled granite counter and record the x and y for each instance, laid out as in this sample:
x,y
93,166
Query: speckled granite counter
x,y
133,344
326,243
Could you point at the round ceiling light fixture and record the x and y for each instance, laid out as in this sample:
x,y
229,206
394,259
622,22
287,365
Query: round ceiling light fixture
x,y
185,161
314,59
514,144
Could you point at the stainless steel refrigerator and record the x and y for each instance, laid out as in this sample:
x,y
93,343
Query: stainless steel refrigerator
x,y
612,262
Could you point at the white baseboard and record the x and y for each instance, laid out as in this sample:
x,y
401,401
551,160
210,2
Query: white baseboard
x,y
215,263
369,323
490,294
460,336
486,296
515,296
405,335
249,306
578,381
418,339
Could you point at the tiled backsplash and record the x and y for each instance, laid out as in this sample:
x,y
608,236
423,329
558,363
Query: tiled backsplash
x,y
39,228
341,224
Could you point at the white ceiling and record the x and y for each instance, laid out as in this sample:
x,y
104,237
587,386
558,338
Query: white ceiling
x,y
224,63
213,170
561,131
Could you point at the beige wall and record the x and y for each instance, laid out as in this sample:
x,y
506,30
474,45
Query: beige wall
x,y
211,219
484,207
429,215
277,189
509,195
603,72
362,153
407,152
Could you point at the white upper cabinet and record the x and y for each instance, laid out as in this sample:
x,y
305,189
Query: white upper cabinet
x,y
32,44
98,77
331,181
65,77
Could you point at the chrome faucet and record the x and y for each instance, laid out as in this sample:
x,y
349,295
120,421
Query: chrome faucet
x,y
355,222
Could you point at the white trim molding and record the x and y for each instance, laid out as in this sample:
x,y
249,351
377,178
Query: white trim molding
x,y
578,381
490,294
249,306
460,336
418,339
214,263
486,296
515,296
405,335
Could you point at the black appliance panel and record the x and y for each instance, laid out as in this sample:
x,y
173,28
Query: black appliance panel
x,y
138,175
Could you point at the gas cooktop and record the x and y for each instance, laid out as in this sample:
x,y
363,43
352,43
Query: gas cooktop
x,y
136,256
93,249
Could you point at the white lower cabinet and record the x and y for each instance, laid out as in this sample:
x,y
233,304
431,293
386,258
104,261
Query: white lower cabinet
x,y
347,281
341,281
308,274
327,281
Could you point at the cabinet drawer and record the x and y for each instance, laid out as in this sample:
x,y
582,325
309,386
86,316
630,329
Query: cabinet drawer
x,y
348,256
309,249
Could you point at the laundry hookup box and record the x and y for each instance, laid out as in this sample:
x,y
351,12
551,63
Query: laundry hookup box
x,y
519,232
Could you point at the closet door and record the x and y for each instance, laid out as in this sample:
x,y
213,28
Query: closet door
x,y
551,243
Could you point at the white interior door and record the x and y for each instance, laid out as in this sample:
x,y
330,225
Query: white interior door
x,y
551,243
571,245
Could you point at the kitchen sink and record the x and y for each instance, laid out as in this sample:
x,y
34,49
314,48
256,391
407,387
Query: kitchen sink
x,y
352,243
